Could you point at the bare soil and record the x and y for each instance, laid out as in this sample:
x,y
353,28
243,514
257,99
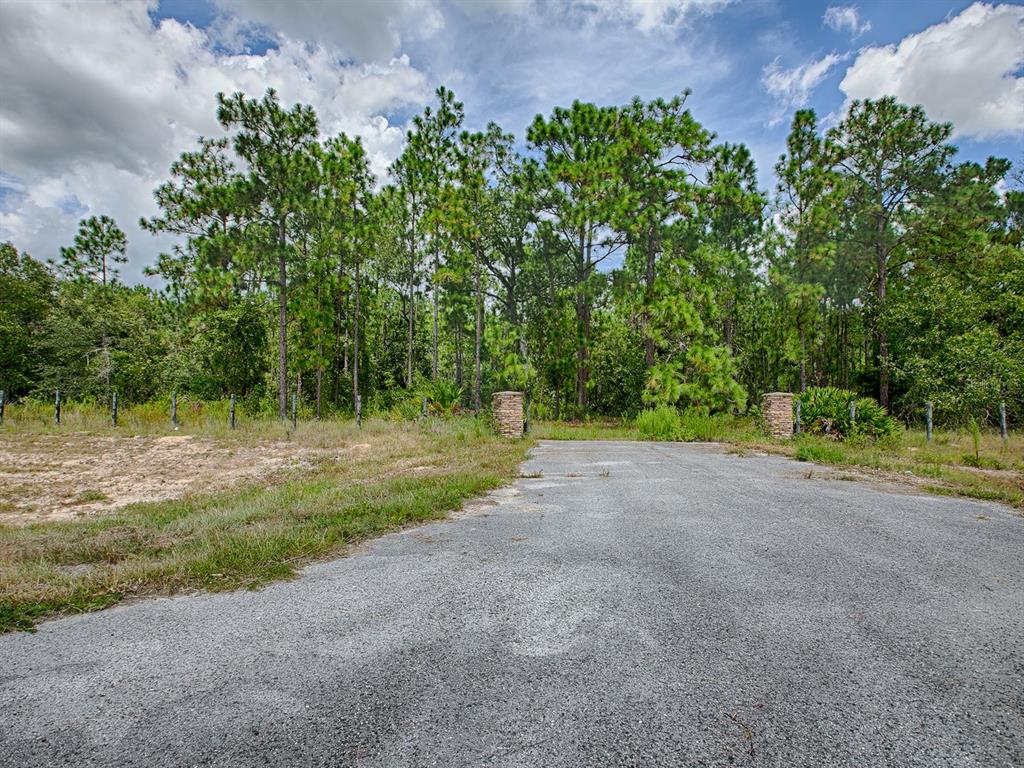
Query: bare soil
x,y
61,477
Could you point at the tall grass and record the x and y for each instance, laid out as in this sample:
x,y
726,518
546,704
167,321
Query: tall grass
x,y
661,423
668,424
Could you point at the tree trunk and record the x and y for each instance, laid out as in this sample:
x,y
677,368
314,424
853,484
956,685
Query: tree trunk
x,y
648,298
479,335
355,343
803,358
883,335
319,387
458,356
412,298
582,325
433,290
412,310
282,326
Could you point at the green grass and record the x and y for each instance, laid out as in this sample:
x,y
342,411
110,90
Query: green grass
x,y
245,538
612,429
821,453
660,423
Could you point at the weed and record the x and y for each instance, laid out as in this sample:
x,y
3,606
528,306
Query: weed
x,y
822,453
972,427
661,423
90,495
698,425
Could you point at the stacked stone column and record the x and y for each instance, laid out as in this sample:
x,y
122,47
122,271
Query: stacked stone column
x,y
508,413
777,409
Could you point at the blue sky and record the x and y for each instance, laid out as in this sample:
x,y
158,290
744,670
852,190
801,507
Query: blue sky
x,y
97,99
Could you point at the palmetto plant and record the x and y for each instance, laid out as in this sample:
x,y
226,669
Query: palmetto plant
x,y
444,398
826,411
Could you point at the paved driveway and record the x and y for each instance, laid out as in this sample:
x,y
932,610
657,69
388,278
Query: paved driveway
x,y
625,604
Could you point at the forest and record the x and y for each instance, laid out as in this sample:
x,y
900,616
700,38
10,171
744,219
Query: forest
x,y
617,258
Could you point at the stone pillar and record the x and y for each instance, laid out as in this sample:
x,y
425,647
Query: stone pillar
x,y
508,413
777,408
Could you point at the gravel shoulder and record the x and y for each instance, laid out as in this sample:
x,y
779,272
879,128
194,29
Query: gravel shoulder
x,y
621,604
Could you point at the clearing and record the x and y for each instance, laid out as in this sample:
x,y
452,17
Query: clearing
x,y
621,604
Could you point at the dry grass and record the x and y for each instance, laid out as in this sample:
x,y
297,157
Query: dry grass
x,y
351,484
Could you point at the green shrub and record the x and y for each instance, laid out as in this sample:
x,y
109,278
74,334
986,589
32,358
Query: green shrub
x,y
826,411
661,423
443,397
822,454
408,408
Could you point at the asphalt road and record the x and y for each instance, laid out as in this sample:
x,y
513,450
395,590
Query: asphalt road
x,y
624,604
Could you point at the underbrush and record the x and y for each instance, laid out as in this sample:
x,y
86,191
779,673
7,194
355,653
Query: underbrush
x,y
194,416
827,411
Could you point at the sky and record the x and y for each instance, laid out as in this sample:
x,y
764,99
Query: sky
x,y
97,99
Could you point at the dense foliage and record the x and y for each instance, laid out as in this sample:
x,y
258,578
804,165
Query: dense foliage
x,y
620,260
827,411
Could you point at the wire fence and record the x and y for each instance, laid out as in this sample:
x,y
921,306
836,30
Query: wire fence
x,y
228,412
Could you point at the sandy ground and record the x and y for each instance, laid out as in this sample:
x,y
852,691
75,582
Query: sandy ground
x,y
50,477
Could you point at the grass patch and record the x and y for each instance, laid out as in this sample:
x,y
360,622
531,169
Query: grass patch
x,y
246,538
617,429
820,453
90,495
661,423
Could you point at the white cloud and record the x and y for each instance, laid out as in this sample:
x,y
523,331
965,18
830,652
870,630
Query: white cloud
x,y
846,18
96,101
793,87
962,70
645,15
365,31
650,15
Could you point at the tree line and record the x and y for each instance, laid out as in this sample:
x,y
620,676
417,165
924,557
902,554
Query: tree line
x,y
621,257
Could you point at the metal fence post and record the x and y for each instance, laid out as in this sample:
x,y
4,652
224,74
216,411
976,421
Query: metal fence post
x,y
928,420
1003,430
113,409
796,424
174,409
232,411
56,406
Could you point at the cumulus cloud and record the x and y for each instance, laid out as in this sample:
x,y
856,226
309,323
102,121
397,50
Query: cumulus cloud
x,y
845,18
963,70
95,103
644,15
364,31
792,87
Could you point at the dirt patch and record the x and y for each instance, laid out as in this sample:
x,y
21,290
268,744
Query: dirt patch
x,y
50,477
